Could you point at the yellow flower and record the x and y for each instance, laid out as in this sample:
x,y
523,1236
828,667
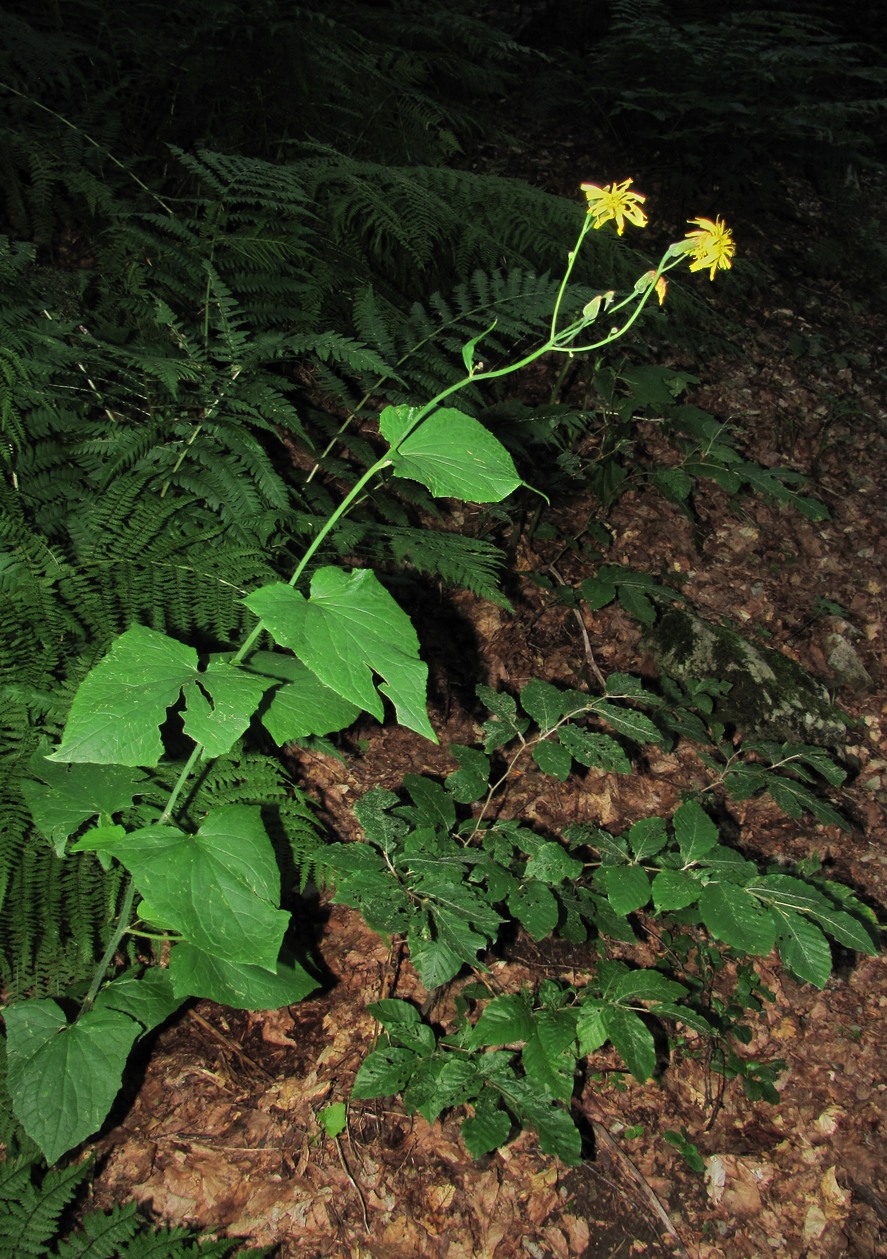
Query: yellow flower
x,y
614,201
710,247
661,287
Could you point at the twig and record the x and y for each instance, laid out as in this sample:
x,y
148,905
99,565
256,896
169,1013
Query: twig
x,y
230,1044
586,642
354,1185
637,1178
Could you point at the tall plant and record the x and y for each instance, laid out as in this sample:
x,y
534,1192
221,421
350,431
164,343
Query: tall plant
x,y
210,894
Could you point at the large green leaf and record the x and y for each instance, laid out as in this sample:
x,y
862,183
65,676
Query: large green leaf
x,y
595,749
449,453
347,630
70,795
301,705
121,704
195,973
627,887
673,889
64,1077
384,1073
219,705
545,703
551,863
147,997
219,888
488,1127
626,721
737,918
549,1056
535,907
803,948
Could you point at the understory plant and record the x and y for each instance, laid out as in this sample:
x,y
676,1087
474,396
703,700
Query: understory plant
x,y
158,725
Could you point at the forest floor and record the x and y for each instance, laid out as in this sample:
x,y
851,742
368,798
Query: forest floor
x,y
222,1130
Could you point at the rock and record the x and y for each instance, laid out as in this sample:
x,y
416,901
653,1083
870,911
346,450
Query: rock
x,y
770,696
847,669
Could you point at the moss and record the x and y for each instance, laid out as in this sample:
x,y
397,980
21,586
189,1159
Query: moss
x,y
770,696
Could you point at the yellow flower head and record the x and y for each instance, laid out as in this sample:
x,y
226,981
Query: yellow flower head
x,y
614,201
710,247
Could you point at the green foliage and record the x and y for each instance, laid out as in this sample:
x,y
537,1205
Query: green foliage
x,y
34,1221
449,885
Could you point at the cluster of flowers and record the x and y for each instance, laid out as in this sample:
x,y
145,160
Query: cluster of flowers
x,y
709,246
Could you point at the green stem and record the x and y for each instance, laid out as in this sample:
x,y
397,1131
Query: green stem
x,y
123,917
113,944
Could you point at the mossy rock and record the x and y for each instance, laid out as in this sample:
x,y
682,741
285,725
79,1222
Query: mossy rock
x,y
770,696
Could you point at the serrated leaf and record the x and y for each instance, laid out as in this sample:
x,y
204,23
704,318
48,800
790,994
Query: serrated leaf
x,y
647,837
507,1018
646,985
64,1077
637,604
787,892
627,887
549,1056
737,918
673,889
543,702
195,973
598,592
488,1128
591,1027
553,759
384,1073
470,782
349,629
449,453
803,948
535,908
219,888
301,706
796,799
558,1134
433,806
674,484
694,830
598,751
633,1040
846,929
551,863
435,962
729,865
626,721
454,1083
